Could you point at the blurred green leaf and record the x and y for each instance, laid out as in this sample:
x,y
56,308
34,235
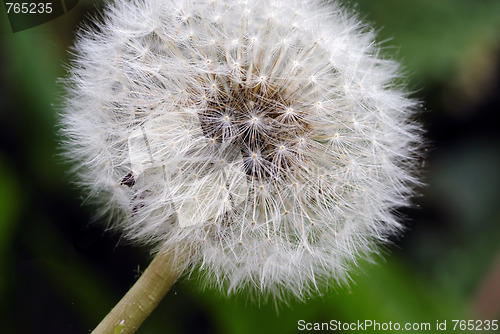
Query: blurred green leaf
x,y
435,39
10,204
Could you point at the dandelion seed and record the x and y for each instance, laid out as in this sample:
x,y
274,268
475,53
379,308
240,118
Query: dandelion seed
x,y
243,130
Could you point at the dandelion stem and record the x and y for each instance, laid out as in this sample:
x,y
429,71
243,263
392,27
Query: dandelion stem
x,y
143,297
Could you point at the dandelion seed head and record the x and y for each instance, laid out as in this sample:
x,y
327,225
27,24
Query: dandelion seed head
x,y
267,135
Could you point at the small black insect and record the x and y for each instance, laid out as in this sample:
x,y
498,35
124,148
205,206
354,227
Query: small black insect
x,y
128,180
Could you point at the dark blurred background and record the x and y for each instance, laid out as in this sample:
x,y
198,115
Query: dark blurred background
x,y
60,274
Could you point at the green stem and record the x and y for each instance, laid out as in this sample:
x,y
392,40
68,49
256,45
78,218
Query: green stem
x,y
143,297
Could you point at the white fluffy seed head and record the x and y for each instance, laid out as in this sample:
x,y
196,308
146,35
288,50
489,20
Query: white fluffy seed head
x,y
267,135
